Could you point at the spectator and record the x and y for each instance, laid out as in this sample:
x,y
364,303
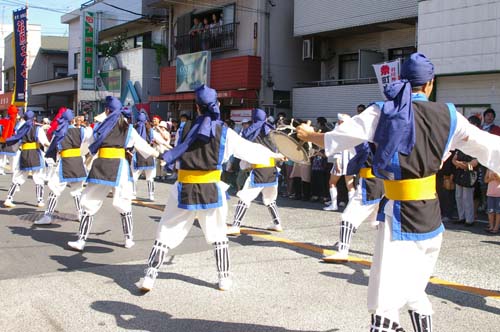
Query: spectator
x,y
323,125
319,176
360,108
488,122
493,180
45,124
197,27
446,190
465,180
281,120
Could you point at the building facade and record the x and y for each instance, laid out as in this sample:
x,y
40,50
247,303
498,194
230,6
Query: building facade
x,y
463,40
254,59
346,38
126,61
47,59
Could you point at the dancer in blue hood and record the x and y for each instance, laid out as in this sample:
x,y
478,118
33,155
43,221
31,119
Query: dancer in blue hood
x,y
111,170
201,149
263,177
30,138
413,136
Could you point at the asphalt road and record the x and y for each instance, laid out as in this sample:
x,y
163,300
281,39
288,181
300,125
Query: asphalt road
x,y
279,282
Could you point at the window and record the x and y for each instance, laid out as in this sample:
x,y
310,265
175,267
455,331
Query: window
x,y
143,40
60,71
402,53
348,66
76,61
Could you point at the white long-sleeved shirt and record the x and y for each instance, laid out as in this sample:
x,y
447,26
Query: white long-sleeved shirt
x,y
466,137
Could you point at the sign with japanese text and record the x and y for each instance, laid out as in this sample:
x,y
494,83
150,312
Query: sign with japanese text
x,y
88,52
20,47
387,73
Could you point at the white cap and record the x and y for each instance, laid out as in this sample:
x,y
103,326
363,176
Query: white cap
x,y
46,120
100,117
245,120
343,116
163,124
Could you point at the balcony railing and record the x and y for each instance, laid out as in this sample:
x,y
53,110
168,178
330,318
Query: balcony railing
x,y
218,38
350,81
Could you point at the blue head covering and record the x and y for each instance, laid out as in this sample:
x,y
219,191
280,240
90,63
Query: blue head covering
x,y
396,128
142,118
259,125
204,126
29,116
358,161
102,131
62,128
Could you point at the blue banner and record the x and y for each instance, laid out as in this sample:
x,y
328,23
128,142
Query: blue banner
x,y
20,47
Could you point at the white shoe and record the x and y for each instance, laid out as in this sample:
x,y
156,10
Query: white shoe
x,y
275,227
338,257
2,172
77,245
152,198
18,188
225,283
46,219
9,203
233,230
129,243
147,283
331,207
40,204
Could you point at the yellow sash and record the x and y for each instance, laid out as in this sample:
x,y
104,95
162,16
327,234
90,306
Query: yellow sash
x,y
270,164
366,173
187,176
30,146
112,153
411,189
69,153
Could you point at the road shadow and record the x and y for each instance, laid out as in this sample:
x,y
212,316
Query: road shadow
x,y
46,234
357,277
132,317
461,299
492,242
124,275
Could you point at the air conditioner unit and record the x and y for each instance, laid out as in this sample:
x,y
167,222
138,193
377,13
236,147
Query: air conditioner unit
x,y
307,49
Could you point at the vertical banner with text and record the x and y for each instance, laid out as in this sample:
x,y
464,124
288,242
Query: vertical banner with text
x,y
20,46
387,73
87,56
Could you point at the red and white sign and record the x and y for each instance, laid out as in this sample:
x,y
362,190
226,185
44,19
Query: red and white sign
x,y
387,73
238,115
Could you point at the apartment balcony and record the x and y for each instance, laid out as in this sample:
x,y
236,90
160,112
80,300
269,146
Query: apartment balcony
x,y
216,39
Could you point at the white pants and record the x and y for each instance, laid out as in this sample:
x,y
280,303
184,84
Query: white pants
x,y
57,187
149,173
356,212
6,159
400,272
94,194
247,194
20,177
175,223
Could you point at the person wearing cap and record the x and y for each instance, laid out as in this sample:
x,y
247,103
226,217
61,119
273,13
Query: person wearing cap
x,y
204,145
30,159
413,138
9,125
66,150
111,170
146,165
263,177
339,169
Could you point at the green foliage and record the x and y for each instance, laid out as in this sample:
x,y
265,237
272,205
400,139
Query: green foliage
x,y
161,52
113,47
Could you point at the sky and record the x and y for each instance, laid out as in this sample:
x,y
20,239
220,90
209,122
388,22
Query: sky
x,y
48,15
